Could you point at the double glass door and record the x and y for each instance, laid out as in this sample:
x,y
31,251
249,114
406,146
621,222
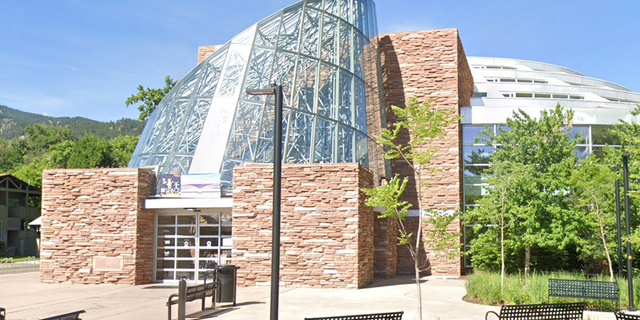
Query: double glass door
x,y
190,243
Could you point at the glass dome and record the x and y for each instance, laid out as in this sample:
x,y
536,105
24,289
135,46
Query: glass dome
x,y
323,53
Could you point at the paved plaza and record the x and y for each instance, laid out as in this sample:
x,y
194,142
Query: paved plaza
x,y
25,298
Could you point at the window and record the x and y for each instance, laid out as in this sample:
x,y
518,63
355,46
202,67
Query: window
x,y
479,94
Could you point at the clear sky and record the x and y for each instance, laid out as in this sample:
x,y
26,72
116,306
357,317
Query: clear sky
x,y
84,58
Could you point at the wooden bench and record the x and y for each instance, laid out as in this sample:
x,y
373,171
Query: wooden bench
x,y
626,316
67,316
549,311
200,291
370,316
585,289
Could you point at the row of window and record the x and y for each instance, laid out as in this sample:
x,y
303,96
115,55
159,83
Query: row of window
x,y
516,80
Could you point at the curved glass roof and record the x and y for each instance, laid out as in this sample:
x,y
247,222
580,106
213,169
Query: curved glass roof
x,y
323,52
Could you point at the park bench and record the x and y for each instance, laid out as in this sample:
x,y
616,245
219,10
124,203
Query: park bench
x,y
626,316
370,316
585,289
548,311
200,291
67,316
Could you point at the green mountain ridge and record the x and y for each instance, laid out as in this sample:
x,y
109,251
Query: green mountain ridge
x,y
13,122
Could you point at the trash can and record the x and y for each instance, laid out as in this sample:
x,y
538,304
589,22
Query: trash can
x,y
2,314
227,276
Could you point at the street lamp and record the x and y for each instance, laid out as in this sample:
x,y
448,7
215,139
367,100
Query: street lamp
x,y
277,178
625,167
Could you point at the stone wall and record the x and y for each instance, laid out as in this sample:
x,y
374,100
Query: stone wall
x,y
205,51
326,229
430,65
94,228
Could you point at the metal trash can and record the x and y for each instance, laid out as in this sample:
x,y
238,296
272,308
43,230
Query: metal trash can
x,y
2,313
227,275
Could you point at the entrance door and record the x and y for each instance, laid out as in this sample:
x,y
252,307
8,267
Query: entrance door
x,y
190,243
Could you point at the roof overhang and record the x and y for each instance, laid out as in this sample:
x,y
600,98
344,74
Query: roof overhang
x,y
188,203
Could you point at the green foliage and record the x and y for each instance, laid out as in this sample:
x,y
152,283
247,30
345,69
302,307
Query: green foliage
x,y
51,147
484,287
529,200
150,98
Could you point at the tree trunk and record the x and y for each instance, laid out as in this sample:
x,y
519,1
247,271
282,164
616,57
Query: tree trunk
x,y
527,260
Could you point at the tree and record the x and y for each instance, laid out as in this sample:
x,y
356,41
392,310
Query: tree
x,y
150,98
543,149
122,148
593,187
424,124
90,152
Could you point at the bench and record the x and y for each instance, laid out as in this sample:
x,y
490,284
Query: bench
x,y
626,316
548,311
200,291
67,316
584,289
370,316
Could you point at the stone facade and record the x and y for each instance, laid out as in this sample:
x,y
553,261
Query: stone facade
x,y
95,228
430,65
205,51
326,229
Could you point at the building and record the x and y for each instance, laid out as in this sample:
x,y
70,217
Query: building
x,y
198,189
18,206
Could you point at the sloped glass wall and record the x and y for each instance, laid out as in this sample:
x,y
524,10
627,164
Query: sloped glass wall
x,y
324,54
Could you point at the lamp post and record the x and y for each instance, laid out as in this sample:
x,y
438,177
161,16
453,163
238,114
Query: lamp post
x,y
625,167
277,179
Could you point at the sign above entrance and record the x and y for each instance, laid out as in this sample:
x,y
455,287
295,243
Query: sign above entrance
x,y
203,185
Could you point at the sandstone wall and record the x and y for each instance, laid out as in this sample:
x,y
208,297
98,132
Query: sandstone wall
x,y
326,229
94,228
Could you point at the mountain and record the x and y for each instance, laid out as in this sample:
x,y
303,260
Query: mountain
x,y
13,122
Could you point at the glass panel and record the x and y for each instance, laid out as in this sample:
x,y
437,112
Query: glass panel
x,y
226,172
475,174
208,242
184,274
267,34
187,219
258,73
211,73
173,125
233,73
315,3
290,30
188,84
473,193
345,45
166,264
192,129
185,264
581,133
298,148
327,91
283,73
265,143
164,275
361,149
205,219
243,138
581,152
603,135
345,10
325,136
345,144
331,6
167,231
361,105
358,54
345,107
477,154
329,49
469,134
306,79
311,32
166,253
166,219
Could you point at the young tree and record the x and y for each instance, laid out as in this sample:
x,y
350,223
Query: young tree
x,y
150,97
544,147
424,124
593,186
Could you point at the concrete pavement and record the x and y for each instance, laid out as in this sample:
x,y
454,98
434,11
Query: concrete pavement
x,y
25,298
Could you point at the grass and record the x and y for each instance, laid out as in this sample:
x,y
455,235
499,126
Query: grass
x,y
484,287
18,259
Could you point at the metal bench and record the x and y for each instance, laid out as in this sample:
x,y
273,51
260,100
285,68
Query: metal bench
x,y
370,316
67,316
549,311
626,316
585,289
200,291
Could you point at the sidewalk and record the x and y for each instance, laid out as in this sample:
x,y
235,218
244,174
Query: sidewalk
x,y
25,298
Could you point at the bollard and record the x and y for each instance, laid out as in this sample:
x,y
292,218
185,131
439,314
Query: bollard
x,y
182,299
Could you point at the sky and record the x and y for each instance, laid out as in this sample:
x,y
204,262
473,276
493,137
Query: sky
x,y
68,58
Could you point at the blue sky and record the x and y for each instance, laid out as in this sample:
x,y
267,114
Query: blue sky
x,y
84,58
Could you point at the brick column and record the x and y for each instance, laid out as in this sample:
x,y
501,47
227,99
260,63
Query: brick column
x,y
430,65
